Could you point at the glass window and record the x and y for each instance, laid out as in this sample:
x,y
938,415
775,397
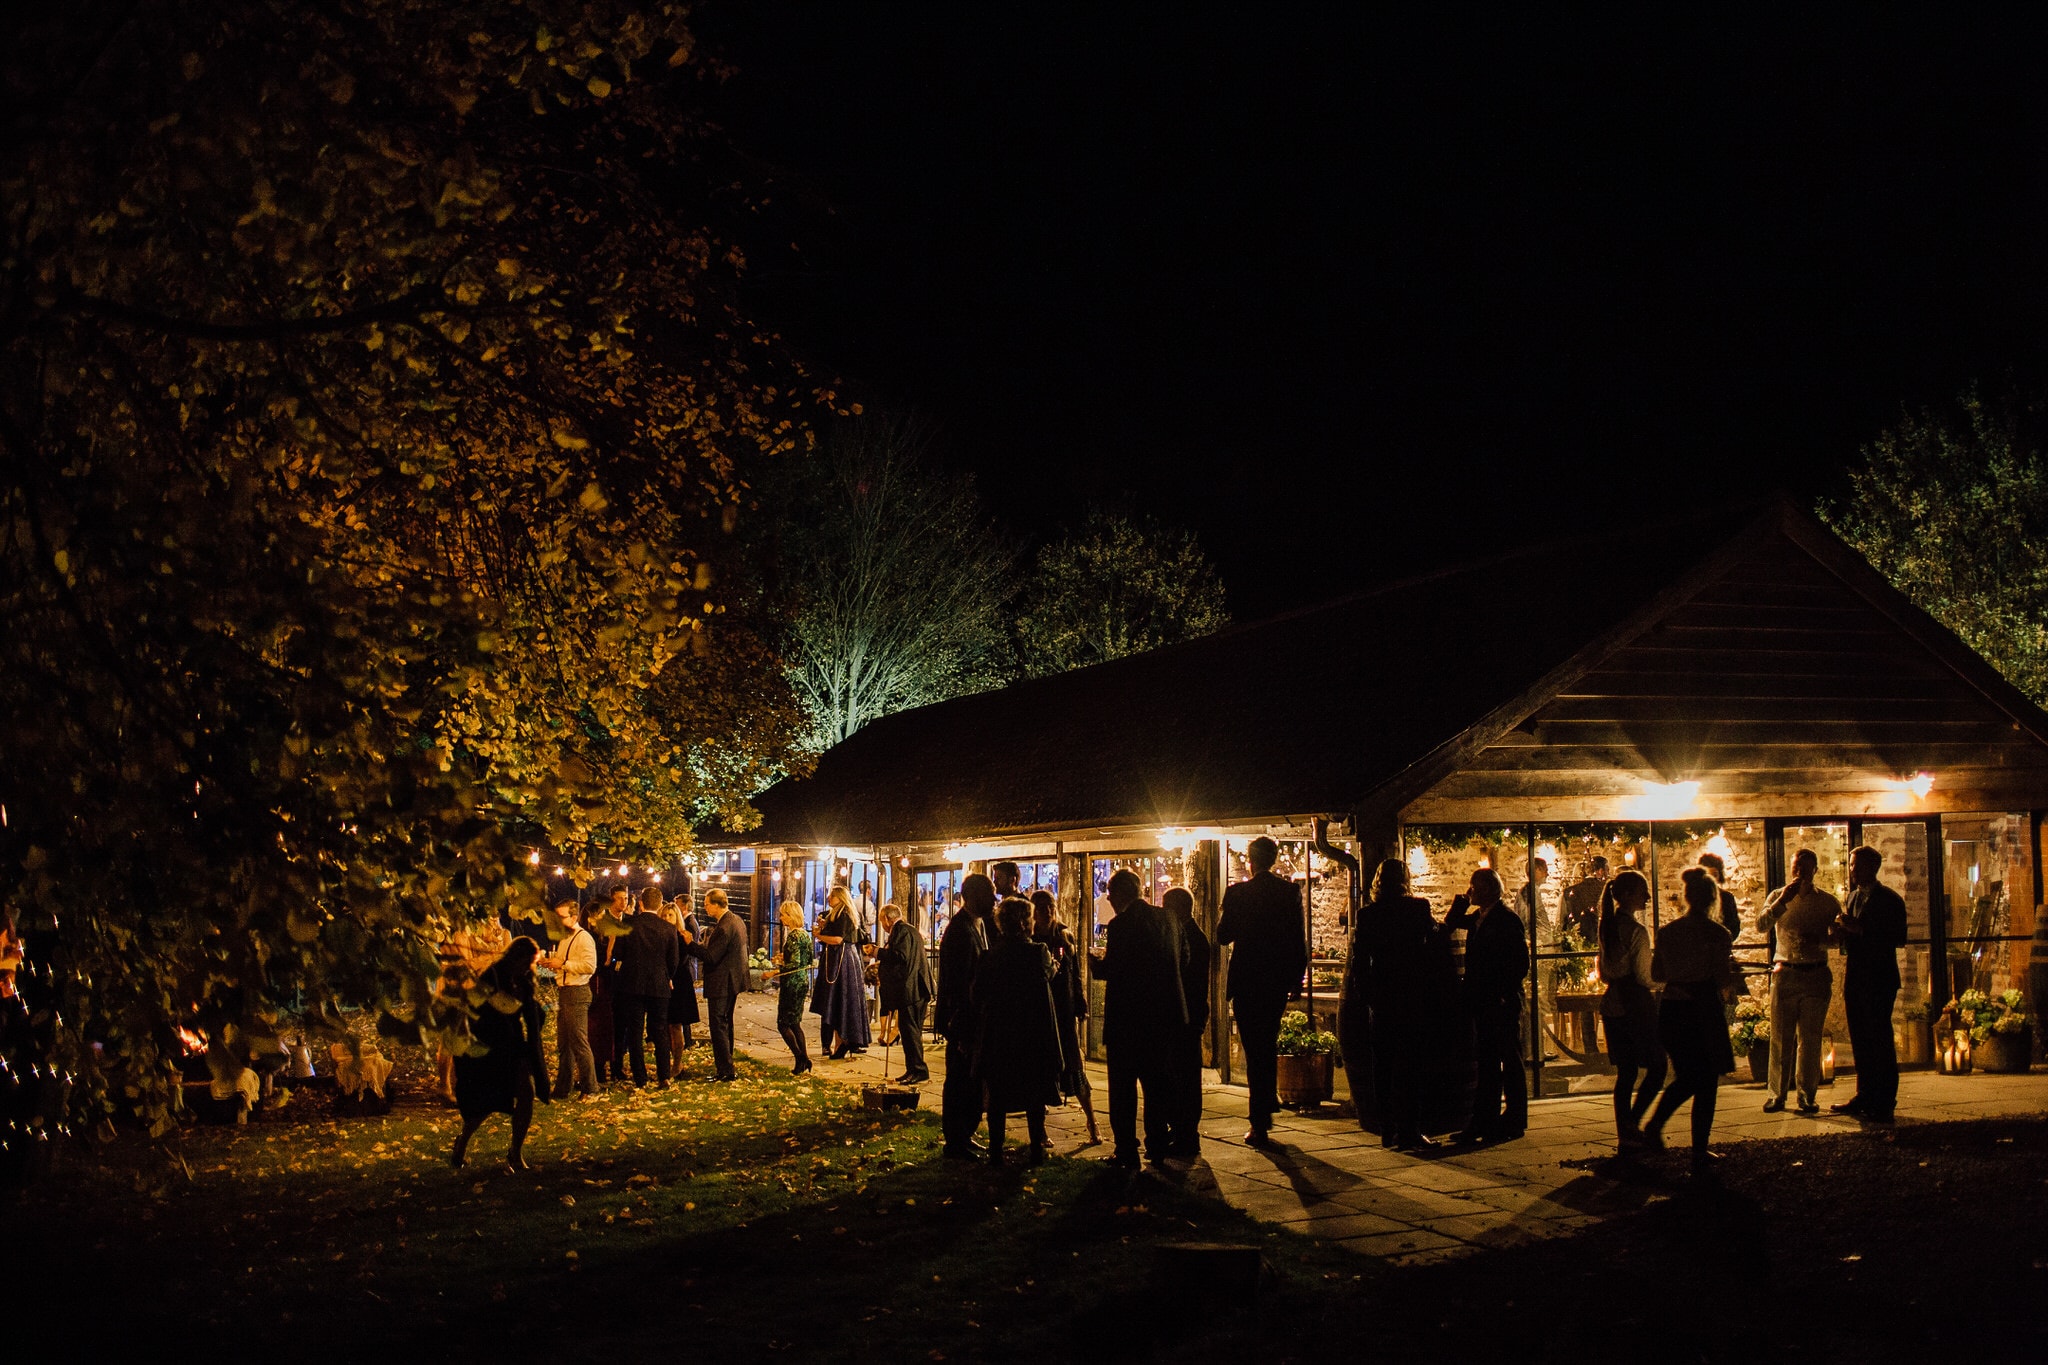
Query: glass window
x,y
1906,870
1985,859
937,893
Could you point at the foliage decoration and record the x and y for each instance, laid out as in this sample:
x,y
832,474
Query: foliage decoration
x,y
1299,1038
374,418
1984,1013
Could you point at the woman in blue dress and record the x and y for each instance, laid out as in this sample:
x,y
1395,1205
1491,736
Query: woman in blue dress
x,y
840,998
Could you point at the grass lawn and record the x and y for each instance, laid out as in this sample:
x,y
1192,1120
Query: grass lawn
x,y
772,1218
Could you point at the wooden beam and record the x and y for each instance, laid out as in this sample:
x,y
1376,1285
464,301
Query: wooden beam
x,y
1687,762
1816,804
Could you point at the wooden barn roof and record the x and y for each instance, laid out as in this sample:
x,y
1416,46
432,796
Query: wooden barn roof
x,y
1368,702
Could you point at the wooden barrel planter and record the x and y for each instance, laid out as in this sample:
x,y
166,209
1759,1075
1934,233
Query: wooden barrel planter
x,y
1305,1080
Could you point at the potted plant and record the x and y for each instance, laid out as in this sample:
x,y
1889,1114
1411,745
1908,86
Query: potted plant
x,y
1307,1057
758,967
2001,1033
1751,1035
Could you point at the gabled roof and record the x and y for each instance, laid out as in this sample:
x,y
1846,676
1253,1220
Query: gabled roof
x,y
1363,702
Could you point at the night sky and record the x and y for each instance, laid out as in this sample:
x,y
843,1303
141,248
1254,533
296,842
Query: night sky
x,y
1352,299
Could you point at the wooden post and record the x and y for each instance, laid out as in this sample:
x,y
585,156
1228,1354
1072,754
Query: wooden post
x,y
1379,838
1205,884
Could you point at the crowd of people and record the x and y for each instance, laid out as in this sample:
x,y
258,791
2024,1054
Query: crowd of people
x,y
624,980
1011,992
1665,1002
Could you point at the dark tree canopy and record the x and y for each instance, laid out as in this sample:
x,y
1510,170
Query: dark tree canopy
x,y
1114,588
374,416
1953,509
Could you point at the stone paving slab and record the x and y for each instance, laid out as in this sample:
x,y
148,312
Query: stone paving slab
x,y
1328,1179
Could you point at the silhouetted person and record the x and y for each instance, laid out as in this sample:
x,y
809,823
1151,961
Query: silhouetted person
x,y
1388,964
1070,1001
1496,974
1731,913
649,957
1802,918
1185,1131
723,951
1873,929
1007,877
1582,901
1261,925
1143,963
903,974
1017,1056
960,952
505,1077
1695,960
1628,1005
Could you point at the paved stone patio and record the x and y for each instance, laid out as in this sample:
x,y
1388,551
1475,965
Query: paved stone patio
x,y
1331,1180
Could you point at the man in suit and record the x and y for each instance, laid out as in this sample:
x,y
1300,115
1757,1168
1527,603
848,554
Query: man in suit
x,y
1261,924
905,977
724,955
1185,1132
960,953
1143,961
1873,929
648,956
1496,975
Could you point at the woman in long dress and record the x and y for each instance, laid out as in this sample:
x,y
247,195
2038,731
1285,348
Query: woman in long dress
x,y
682,999
1070,1004
840,997
1695,959
1017,1055
1627,1006
793,982
501,1078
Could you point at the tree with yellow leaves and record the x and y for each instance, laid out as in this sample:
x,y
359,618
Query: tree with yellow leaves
x,y
375,414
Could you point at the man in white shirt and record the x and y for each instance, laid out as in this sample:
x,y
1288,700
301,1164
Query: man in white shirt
x,y
1803,919
574,962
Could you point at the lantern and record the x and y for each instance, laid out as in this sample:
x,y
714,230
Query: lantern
x,y
1827,1059
1955,1057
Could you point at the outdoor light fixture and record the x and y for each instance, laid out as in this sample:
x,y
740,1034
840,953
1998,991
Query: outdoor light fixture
x,y
559,872
1418,861
1548,853
533,858
1663,801
1719,845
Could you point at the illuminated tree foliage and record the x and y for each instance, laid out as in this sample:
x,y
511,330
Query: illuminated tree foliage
x,y
1954,511
374,416
1117,587
897,577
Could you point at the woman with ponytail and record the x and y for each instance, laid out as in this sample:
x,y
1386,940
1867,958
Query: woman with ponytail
x,y
1628,1007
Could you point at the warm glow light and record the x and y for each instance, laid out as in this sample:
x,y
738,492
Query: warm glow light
x,y
559,872
657,879
1629,858
1418,861
1919,784
1486,864
1720,846
625,871
533,858
1548,853
1662,801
